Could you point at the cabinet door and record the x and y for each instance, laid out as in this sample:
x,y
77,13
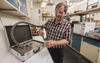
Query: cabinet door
x,y
90,51
98,61
15,3
23,6
76,41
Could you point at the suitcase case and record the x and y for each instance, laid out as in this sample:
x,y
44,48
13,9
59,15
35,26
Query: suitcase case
x,y
23,35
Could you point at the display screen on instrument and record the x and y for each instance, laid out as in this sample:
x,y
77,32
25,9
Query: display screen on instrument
x,y
21,33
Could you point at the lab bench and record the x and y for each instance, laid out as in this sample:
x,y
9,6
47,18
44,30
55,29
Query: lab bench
x,y
87,46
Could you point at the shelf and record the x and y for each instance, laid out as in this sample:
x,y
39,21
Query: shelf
x,y
8,8
48,16
85,12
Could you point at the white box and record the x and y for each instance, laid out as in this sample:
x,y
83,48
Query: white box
x,y
83,28
96,17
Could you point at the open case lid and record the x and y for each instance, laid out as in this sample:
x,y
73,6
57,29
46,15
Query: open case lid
x,y
22,33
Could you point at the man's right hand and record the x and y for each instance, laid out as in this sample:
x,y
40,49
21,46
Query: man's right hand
x,y
41,33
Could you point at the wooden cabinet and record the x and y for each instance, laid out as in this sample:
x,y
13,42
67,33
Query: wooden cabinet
x,y
90,49
98,61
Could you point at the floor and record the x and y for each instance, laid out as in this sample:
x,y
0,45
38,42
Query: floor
x,y
70,56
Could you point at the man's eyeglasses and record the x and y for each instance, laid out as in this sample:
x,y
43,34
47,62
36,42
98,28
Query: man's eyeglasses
x,y
60,12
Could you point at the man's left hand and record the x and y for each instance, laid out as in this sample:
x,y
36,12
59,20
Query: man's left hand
x,y
50,43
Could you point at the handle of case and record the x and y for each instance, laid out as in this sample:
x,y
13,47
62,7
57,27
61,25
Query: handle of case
x,y
35,51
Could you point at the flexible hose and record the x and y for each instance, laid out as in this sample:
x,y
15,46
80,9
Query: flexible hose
x,y
12,33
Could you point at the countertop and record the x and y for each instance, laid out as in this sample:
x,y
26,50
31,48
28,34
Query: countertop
x,y
90,36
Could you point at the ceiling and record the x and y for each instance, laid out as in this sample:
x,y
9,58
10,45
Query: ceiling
x,y
39,1
73,1
70,2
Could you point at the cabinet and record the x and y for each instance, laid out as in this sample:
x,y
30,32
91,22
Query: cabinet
x,y
90,49
23,7
76,41
98,61
14,7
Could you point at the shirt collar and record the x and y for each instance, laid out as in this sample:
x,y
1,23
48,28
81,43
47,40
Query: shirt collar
x,y
59,22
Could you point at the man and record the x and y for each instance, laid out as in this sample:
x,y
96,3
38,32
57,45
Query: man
x,y
58,33
37,35
33,30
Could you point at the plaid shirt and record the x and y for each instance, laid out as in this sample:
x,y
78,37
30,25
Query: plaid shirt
x,y
59,31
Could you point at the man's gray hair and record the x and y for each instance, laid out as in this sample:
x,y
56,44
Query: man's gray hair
x,y
62,4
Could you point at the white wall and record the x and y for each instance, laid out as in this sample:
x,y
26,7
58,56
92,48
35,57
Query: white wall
x,y
35,17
